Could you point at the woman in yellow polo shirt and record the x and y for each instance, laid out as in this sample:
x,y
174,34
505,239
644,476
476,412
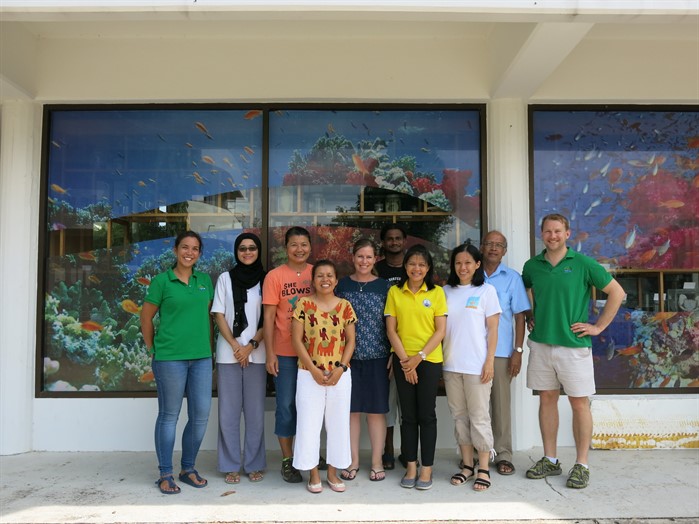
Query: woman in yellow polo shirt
x,y
415,313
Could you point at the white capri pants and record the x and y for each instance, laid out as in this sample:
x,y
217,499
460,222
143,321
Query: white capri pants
x,y
315,403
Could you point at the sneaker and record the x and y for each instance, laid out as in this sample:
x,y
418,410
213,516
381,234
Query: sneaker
x,y
544,468
578,477
290,473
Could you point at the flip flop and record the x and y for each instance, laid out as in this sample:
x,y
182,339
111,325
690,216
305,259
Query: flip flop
x,y
185,477
349,474
377,475
500,463
232,477
256,476
174,488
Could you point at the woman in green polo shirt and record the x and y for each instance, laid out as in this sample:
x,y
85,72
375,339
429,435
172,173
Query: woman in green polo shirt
x,y
181,351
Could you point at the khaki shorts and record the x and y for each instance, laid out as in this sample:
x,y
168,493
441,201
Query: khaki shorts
x,y
551,367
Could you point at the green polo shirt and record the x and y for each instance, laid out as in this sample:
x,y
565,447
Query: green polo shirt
x,y
562,296
184,330
414,315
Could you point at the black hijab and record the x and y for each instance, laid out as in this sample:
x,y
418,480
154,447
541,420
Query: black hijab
x,y
243,277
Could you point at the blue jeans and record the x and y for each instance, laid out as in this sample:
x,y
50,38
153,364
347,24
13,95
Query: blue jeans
x,y
285,388
174,379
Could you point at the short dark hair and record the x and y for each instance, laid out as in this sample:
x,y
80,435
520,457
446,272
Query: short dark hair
x,y
324,262
478,275
388,227
296,231
419,250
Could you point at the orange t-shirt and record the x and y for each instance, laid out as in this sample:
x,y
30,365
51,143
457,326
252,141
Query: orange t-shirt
x,y
282,288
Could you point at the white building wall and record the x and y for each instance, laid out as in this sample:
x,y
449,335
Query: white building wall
x,y
301,68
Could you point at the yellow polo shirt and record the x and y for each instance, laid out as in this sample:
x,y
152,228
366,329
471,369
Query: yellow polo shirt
x,y
414,314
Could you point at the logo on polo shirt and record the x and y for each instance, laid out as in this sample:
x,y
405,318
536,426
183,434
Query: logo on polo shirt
x,y
202,288
567,269
426,302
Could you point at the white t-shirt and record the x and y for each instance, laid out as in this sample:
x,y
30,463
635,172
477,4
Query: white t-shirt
x,y
466,342
223,303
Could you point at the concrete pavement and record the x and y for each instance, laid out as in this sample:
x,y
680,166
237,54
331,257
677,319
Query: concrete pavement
x,y
626,486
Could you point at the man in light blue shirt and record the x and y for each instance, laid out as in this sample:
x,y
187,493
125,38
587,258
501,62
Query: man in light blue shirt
x,y
508,356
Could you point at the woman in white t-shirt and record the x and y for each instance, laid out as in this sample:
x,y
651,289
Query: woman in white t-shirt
x,y
469,355
240,362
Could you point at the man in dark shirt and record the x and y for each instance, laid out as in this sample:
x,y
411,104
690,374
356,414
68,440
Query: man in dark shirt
x,y
391,268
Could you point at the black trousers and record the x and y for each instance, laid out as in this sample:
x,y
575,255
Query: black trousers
x,y
418,410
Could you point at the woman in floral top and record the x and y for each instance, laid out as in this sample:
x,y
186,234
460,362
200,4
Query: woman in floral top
x,y
323,335
367,294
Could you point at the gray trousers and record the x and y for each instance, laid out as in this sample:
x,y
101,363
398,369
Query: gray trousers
x,y
500,406
241,391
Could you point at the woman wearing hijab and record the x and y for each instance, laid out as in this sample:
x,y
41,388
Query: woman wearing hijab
x,y
240,359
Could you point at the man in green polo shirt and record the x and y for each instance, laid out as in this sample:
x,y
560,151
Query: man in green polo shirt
x,y
560,283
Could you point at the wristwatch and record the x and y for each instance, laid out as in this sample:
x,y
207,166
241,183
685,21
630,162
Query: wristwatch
x,y
519,349
254,343
422,354
344,367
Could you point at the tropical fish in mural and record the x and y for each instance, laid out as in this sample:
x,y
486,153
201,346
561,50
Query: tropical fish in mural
x,y
254,113
95,279
672,204
663,249
87,255
90,325
58,189
201,127
130,306
143,281
249,150
147,377
244,159
208,159
630,239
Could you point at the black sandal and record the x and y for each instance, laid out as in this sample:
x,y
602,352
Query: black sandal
x,y
174,489
459,478
482,482
196,482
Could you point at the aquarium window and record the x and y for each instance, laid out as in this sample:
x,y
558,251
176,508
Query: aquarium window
x,y
627,178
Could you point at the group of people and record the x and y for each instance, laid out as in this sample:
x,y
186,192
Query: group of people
x,y
373,343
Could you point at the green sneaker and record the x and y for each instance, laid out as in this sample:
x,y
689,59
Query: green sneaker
x,y
544,468
289,472
578,477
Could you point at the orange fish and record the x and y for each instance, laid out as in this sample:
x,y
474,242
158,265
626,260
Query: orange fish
x,y
638,382
201,127
90,325
647,256
141,183
672,204
667,315
208,159
252,114
631,350
143,281
94,279
693,142
359,164
58,189
581,237
88,255
147,377
665,382
618,190
130,306
693,384
615,175
249,150
606,220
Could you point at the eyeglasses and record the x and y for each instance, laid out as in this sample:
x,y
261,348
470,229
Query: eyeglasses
x,y
243,249
498,245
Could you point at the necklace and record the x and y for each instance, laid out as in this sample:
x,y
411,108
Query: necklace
x,y
361,286
298,273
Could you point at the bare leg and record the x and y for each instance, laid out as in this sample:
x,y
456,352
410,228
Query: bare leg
x,y
287,446
376,424
314,477
582,426
355,428
548,421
